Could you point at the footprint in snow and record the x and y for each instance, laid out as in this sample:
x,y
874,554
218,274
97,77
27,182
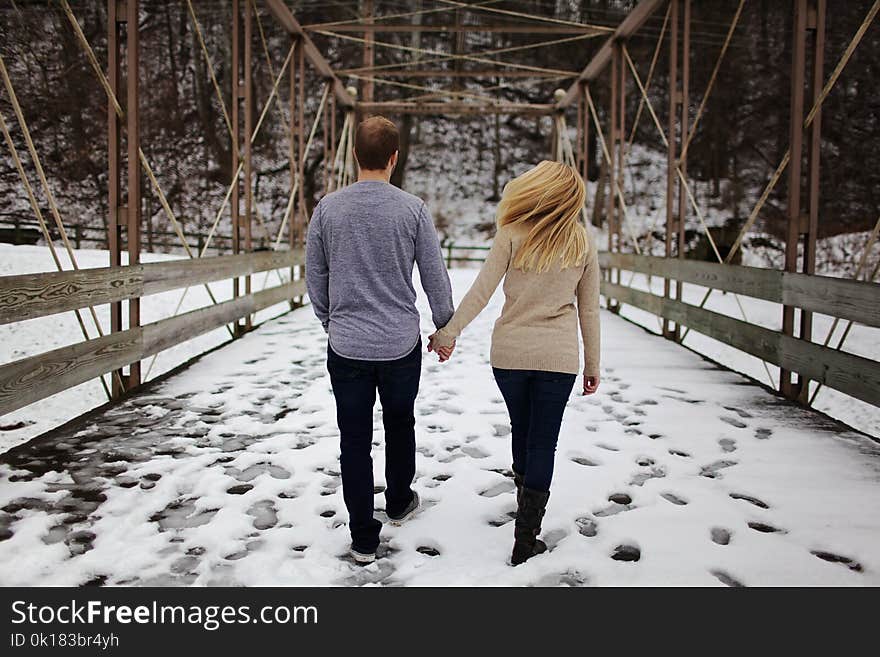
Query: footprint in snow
x,y
502,520
751,500
619,502
264,514
720,535
743,414
732,421
504,486
182,514
654,472
475,452
553,538
675,499
727,445
837,558
587,526
727,579
763,434
764,528
567,578
626,553
712,471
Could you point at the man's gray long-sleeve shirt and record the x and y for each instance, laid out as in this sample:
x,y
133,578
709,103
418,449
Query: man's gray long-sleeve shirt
x,y
362,243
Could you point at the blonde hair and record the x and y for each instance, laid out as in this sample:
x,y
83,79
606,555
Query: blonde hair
x,y
547,199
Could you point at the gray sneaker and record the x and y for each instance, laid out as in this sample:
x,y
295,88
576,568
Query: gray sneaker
x,y
362,557
407,513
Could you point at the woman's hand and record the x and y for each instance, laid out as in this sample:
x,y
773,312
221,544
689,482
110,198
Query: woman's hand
x,y
591,384
444,353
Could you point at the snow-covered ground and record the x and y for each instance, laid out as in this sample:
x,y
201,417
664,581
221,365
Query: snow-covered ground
x,y
35,336
228,474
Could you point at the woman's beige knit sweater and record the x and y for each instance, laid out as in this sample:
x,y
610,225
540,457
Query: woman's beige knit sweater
x,y
538,326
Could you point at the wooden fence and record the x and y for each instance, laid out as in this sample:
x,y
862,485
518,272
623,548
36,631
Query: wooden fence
x,y
21,231
845,299
471,253
28,296
856,301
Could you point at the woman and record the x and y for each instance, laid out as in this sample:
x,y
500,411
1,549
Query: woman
x,y
543,253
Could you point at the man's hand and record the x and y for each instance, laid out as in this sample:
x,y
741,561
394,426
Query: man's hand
x,y
443,353
591,384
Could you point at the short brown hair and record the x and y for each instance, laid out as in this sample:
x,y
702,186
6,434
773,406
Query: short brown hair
x,y
375,141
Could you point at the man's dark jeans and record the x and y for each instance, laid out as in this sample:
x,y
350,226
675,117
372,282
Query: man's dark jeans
x,y
536,401
355,383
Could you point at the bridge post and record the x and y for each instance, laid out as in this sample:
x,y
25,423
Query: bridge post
x,y
248,146
813,159
300,162
611,200
583,146
332,163
122,19
619,142
234,203
294,167
325,168
809,17
367,85
683,132
580,131
674,223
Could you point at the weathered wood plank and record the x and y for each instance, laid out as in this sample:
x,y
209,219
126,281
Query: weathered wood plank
x,y
847,299
27,296
164,276
25,381
853,375
752,339
858,301
174,330
750,281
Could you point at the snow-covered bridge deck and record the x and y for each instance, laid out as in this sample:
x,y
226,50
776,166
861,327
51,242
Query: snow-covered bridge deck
x,y
227,473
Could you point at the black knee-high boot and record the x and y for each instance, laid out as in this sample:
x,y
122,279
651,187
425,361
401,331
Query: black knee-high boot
x,y
518,480
530,512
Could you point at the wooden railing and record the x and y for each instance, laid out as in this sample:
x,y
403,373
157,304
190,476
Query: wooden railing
x,y
28,296
22,231
857,301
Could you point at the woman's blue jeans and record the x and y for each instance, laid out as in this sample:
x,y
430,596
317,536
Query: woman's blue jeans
x,y
535,401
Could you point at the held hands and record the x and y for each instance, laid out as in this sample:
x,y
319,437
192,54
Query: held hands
x,y
443,353
591,384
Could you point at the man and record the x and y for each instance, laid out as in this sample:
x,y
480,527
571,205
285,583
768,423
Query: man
x,y
362,243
